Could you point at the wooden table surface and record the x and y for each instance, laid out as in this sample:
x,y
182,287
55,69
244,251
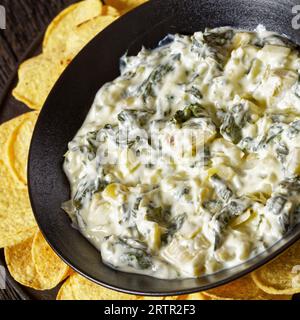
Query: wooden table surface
x,y
25,21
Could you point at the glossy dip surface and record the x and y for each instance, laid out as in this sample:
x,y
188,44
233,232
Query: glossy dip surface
x,y
188,162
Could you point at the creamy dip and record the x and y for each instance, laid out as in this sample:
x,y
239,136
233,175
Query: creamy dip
x,y
189,162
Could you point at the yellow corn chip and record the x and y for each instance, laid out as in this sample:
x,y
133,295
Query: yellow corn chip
x,y
282,275
110,11
124,5
198,296
50,268
79,288
16,217
64,24
66,291
37,77
7,130
21,266
11,239
241,289
85,33
24,262
19,143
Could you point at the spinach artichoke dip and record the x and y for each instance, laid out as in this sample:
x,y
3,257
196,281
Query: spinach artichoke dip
x,y
189,162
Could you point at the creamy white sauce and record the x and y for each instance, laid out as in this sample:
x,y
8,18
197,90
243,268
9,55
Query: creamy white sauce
x,y
188,162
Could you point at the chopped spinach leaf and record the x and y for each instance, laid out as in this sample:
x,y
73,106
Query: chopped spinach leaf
x,y
87,189
294,129
282,152
276,204
174,225
159,215
192,111
195,93
274,132
127,117
222,190
213,206
135,257
233,209
156,77
218,38
233,123
291,184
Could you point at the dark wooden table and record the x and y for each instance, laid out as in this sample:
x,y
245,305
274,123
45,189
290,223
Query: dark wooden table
x,y
26,20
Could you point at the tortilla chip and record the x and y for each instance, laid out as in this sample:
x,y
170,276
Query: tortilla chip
x,y
37,77
50,268
16,217
182,297
9,239
241,289
161,298
66,291
150,298
198,296
85,32
110,11
282,275
19,143
64,24
265,296
33,264
79,288
6,131
124,5
20,264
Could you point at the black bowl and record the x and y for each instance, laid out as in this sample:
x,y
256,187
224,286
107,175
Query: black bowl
x,y
71,99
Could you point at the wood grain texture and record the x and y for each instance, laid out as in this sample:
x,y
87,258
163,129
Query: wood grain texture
x,y
25,20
